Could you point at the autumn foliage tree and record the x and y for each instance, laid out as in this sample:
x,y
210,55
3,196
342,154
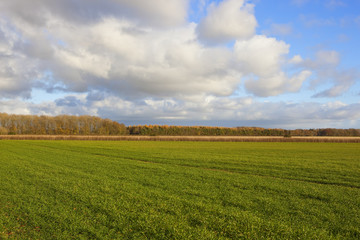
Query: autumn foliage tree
x,y
59,125
165,130
90,125
3,131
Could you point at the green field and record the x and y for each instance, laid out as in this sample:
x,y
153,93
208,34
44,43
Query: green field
x,y
179,190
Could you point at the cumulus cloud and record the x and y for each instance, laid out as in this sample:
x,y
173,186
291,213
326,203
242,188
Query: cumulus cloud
x,y
276,84
325,67
297,59
229,20
15,79
342,81
264,57
238,110
16,71
144,62
229,111
120,56
141,60
134,60
261,55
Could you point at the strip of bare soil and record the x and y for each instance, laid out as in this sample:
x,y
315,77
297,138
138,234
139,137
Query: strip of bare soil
x,y
184,138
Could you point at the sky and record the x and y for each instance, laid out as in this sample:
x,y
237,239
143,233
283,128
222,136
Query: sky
x,y
274,64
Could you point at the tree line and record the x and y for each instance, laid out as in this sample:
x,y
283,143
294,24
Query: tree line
x,y
89,125
164,130
59,125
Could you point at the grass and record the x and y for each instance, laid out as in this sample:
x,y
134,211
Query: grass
x,y
179,190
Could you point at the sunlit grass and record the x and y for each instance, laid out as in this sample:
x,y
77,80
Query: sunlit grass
x,y
179,190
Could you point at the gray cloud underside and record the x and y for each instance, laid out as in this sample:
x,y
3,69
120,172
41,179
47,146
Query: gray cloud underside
x,y
121,46
225,111
161,13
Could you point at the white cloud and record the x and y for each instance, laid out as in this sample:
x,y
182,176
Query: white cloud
x,y
261,55
136,60
276,84
17,72
15,77
297,59
326,70
327,58
264,57
231,111
217,109
342,81
230,20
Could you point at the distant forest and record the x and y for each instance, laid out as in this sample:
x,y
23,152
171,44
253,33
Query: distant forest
x,y
59,125
11,124
164,130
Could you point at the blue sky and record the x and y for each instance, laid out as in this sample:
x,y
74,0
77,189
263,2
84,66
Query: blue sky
x,y
318,26
286,64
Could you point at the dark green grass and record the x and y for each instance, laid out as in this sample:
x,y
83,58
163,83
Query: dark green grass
x,y
179,190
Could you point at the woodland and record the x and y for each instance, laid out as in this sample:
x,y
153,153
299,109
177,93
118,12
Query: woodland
x,y
12,124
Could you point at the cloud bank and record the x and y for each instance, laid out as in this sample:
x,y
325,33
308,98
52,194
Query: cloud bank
x,y
144,60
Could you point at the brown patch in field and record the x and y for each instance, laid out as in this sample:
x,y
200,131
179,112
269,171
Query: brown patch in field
x,y
183,138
